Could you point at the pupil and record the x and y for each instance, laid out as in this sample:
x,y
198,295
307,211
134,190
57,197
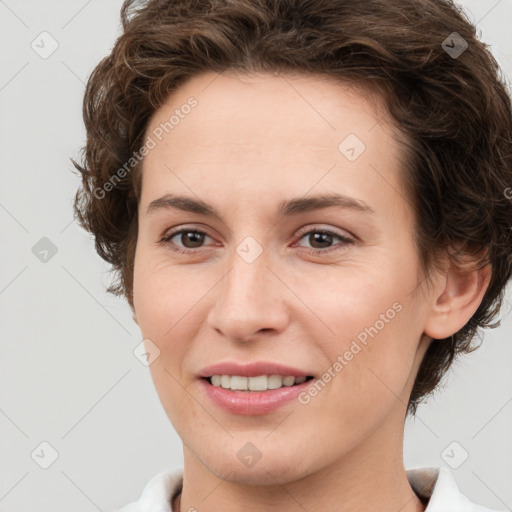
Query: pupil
x,y
319,237
192,235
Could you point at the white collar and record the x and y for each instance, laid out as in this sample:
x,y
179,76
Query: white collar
x,y
439,485
435,483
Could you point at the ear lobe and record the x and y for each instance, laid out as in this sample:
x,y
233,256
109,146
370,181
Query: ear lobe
x,y
457,299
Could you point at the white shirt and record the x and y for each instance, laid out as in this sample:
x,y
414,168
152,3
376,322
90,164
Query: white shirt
x,y
435,483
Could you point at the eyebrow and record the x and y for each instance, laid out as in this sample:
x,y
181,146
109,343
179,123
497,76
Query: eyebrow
x,y
287,208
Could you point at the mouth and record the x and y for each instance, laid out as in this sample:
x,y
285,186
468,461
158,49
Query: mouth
x,y
263,388
255,388
255,384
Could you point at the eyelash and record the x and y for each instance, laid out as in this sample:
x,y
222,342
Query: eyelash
x,y
345,240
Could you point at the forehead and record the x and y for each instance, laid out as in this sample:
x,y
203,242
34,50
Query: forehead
x,y
294,132
264,108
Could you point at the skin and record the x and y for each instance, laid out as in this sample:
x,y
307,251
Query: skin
x,y
251,142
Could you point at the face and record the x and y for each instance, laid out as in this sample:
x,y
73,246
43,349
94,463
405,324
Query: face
x,y
300,253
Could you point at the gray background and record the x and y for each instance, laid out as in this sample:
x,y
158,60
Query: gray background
x,y
68,376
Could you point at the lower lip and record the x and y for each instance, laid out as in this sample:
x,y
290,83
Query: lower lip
x,y
251,403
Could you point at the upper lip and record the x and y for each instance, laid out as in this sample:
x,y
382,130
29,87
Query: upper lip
x,y
252,369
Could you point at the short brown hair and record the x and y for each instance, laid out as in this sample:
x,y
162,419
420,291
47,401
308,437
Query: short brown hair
x,y
451,103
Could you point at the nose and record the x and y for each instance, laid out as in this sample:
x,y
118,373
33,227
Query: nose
x,y
249,301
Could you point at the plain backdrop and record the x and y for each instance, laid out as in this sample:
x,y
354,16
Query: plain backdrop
x,y
73,397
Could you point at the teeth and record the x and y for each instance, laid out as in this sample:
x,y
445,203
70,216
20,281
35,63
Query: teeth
x,y
260,383
239,383
288,381
275,382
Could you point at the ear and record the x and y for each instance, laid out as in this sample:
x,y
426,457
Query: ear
x,y
458,294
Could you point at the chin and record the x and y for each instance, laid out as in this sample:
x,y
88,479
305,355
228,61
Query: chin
x,y
265,474
271,466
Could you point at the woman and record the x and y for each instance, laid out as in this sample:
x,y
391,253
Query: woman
x,y
306,204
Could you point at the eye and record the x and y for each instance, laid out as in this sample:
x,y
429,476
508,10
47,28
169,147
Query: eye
x,y
323,238
194,238
191,239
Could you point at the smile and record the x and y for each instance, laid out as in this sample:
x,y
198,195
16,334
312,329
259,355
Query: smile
x,y
253,402
259,383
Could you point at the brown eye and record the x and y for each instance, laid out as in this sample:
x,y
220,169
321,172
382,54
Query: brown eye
x,y
321,240
190,239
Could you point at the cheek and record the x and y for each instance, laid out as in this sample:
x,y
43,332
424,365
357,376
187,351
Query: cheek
x,y
369,341
165,300
162,295
354,306
163,309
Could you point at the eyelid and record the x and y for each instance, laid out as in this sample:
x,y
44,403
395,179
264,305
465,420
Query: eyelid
x,y
333,231
170,233
303,231
346,239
